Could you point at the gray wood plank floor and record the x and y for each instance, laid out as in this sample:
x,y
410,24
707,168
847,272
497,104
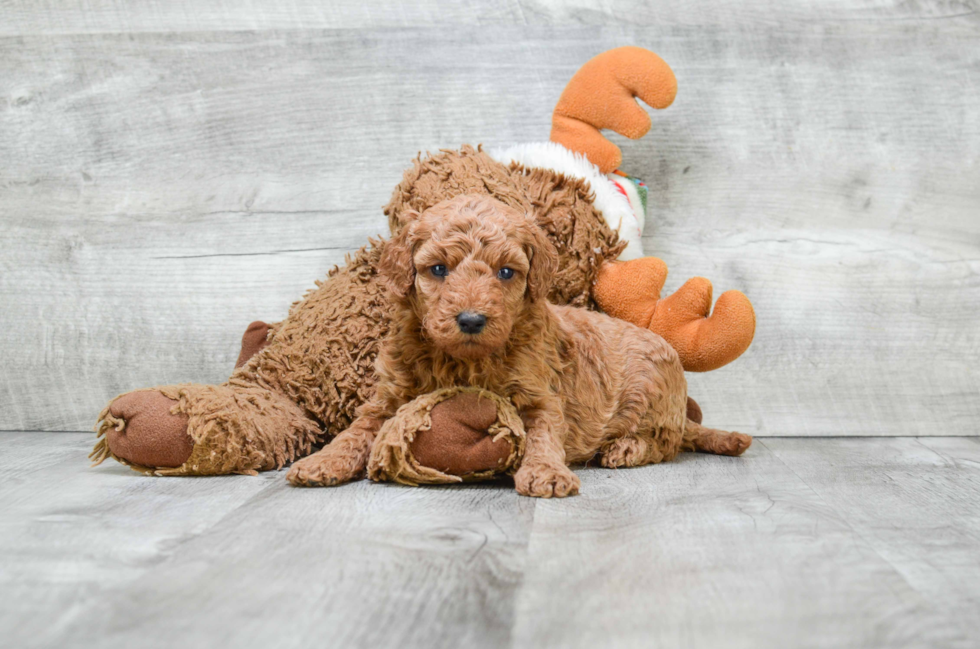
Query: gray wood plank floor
x,y
862,542
173,170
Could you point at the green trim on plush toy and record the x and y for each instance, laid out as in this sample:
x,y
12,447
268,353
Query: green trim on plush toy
x,y
641,187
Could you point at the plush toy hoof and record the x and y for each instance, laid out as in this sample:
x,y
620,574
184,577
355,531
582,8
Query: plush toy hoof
x,y
143,431
458,443
447,436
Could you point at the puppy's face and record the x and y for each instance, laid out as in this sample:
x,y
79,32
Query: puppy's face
x,y
469,267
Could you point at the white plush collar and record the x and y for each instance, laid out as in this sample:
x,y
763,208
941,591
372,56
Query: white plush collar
x,y
609,200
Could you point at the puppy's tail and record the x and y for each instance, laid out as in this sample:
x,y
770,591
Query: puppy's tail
x,y
708,440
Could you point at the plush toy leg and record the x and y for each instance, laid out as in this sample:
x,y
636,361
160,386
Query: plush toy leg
x,y
150,430
204,430
703,340
453,435
459,441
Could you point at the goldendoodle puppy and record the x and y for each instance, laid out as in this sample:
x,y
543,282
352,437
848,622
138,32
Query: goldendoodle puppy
x,y
469,278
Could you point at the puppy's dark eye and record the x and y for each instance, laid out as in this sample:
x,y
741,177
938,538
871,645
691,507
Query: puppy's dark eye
x,y
505,273
439,270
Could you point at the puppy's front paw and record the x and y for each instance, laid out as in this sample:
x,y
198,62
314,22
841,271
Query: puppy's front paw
x,y
325,469
546,480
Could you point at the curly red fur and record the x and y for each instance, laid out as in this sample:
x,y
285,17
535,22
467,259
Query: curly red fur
x,y
583,383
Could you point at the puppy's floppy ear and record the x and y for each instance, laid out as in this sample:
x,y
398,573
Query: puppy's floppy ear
x,y
397,265
543,257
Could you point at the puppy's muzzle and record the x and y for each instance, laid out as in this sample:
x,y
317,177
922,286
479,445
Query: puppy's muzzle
x,y
470,322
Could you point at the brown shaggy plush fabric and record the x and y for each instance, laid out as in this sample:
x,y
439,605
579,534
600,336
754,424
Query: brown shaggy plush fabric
x,y
317,366
235,429
469,280
322,355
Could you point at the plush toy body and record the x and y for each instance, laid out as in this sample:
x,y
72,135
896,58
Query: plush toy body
x,y
302,384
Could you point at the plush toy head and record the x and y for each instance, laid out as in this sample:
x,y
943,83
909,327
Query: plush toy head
x,y
448,174
561,204
467,267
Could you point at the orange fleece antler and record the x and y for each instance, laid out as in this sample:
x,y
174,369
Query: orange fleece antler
x,y
601,95
704,340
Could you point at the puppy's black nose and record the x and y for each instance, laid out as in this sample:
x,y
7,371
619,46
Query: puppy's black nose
x,y
471,323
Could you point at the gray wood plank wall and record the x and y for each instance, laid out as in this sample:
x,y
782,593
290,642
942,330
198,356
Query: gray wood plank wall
x,y
173,170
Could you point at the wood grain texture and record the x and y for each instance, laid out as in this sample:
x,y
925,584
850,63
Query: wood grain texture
x,y
914,501
164,186
69,535
100,16
801,542
714,552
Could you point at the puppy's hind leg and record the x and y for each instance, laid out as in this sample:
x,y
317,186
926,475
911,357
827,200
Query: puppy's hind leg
x,y
632,450
708,440
645,431
639,449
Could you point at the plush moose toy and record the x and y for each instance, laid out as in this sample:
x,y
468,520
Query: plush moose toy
x,y
299,382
